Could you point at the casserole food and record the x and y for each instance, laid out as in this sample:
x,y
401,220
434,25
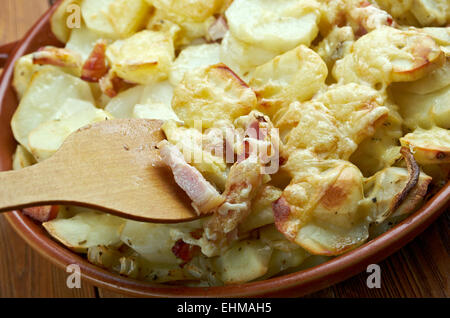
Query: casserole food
x,y
315,109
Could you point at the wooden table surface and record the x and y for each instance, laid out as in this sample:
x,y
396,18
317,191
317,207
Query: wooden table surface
x,y
421,269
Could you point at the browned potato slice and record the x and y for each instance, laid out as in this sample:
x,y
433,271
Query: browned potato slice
x,y
211,94
86,229
293,76
384,189
320,211
429,146
144,58
388,55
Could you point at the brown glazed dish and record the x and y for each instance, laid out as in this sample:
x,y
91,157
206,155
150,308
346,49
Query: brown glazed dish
x,y
292,285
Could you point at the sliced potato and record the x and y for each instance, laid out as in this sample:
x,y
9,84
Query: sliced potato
x,y
194,57
281,261
161,92
128,16
48,91
244,261
59,18
431,13
429,146
82,40
143,58
242,57
48,137
293,76
300,122
152,241
394,56
193,10
262,213
154,111
212,94
85,230
424,111
123,104
359,109
385,188
22,158
96,16
280,25
23,73
432,82
320,211
158,94
441,36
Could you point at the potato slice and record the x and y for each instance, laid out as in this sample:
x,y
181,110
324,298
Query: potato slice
x,y
277,26
48,137
154,111
212,94
96,16
293,76
123,104
424,111
154,242
158,94
431,13
320,211
262,213
441,36
358,108
22,158
388,55
82,40
85,230
24,69
48,91
161,92
194,57
302,121
385,187
143,58
242,57
59,18
128,16
193,10
432,82
114,18
429,146
243,262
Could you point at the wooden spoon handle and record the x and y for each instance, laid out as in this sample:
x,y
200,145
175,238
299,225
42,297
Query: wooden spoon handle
x,y
30,187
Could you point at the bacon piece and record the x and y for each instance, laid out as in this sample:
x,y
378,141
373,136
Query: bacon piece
x,y
243,183
184,251
111,84
95,66
42,213
368,17
204,196
49,55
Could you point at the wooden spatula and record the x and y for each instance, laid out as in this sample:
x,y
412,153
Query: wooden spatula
x,y
109,166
